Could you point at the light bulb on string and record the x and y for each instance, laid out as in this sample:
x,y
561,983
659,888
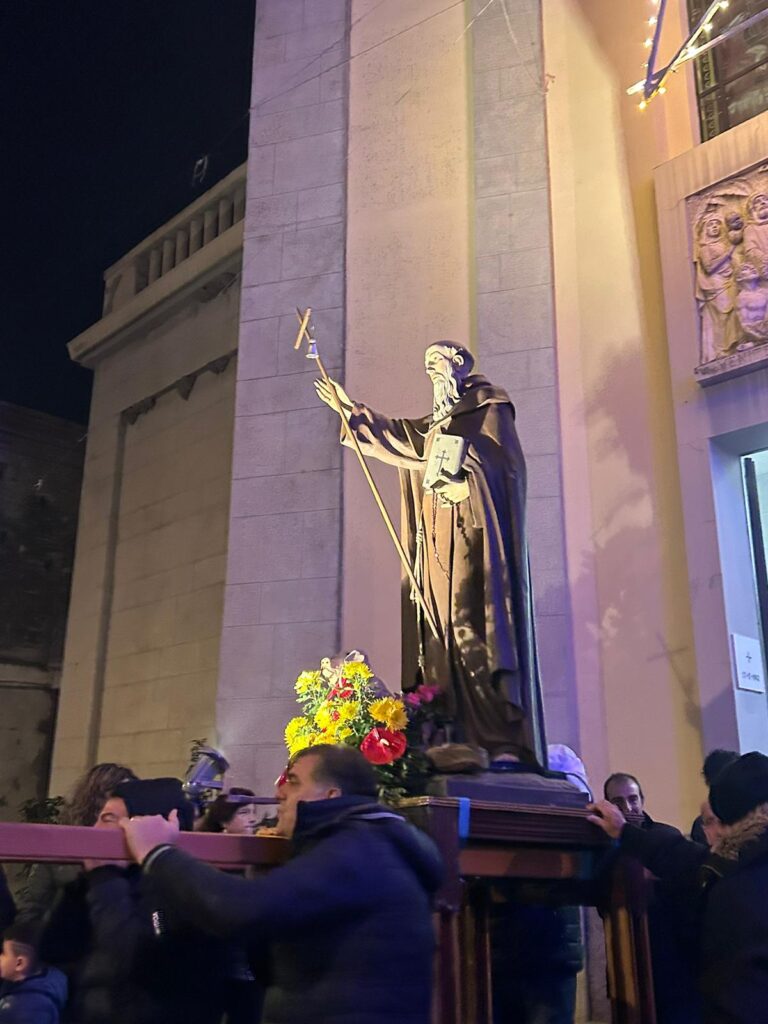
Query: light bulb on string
x,y
642,105
648,44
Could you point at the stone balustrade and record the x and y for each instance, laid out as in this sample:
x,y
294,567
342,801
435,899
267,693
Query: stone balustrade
x,y
198,224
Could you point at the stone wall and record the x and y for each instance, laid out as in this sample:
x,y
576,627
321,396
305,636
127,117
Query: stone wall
x,y
139,680
162,656
408,272
282,595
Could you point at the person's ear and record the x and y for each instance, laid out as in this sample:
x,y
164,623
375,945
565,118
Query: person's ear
x,y
333,792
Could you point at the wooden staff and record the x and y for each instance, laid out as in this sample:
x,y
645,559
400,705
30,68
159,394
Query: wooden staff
x,y
314,354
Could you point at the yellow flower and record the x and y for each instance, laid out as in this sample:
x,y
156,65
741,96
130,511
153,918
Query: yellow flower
x,y
349,710
391,712
307,739
294,728
356,668
343,734
306,682
323,719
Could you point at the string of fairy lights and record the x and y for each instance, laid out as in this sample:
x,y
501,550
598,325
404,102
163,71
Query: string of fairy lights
x,y
702,37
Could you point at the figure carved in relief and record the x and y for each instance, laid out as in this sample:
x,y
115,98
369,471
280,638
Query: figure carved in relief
x,y
715,287
752,305
756,232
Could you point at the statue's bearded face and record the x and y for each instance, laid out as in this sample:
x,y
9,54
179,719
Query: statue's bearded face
x,y
446,381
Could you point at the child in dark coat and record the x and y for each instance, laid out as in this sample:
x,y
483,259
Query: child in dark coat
x,y
29,992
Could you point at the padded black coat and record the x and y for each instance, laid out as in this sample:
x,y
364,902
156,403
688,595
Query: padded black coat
x,y
731,901
348,919
130,961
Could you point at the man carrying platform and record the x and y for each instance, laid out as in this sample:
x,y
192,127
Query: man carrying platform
x,y
347,921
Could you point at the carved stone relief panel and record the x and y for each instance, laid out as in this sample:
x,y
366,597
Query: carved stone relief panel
x,y
728,225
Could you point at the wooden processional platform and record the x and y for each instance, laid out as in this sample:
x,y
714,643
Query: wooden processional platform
x,y
481,841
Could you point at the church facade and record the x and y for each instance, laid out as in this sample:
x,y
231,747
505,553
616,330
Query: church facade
x,y
413,179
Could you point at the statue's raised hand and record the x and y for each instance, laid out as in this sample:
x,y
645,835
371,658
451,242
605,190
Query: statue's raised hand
x,y
325,394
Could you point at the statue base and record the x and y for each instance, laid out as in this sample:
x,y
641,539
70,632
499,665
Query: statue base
x,y
510,787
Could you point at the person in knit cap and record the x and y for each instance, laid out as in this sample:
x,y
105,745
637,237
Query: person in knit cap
x,y
727,887
128,959
706,827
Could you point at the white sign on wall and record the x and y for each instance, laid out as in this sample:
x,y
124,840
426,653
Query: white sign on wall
x,y
748,663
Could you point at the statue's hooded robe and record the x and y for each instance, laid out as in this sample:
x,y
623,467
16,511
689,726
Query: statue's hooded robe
x,y
472,562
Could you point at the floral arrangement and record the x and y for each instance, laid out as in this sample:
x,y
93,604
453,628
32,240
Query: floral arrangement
x,y
346,703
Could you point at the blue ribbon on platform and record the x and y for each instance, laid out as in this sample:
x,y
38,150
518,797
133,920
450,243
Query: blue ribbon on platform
x,y
463,817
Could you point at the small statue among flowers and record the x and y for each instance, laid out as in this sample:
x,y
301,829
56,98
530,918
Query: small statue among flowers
x,y
344,702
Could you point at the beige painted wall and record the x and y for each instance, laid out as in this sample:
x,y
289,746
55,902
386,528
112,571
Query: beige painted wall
x,y
715,426
145,606
408,258
162,656
636,677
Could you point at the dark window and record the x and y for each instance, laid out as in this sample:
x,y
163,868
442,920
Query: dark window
x,y
732,77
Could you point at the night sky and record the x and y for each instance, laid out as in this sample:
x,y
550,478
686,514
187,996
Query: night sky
x,y
106,107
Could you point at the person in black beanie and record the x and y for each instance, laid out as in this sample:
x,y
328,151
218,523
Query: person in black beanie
x,y
129,960
728,886
714,763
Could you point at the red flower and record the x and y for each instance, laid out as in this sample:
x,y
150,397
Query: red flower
x,y
342,692
382,746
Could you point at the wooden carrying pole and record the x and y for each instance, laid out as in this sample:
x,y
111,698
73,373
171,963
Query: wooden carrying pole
x,y
314,354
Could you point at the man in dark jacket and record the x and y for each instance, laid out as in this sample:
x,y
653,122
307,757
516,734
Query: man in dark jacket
x,y
348,919
129,959
670,928
30,993
729,883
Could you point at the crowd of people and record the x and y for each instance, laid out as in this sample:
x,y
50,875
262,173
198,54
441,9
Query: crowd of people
x,y
342,932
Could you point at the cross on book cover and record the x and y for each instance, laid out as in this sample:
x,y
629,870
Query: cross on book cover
x,y
446,458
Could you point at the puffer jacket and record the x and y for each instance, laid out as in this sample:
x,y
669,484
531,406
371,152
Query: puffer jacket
x,y
729,889
347,920
38,999
129,960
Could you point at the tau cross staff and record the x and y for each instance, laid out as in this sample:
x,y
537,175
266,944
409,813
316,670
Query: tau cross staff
x,y
312,353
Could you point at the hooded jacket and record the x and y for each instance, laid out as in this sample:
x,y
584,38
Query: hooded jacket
x,y
38,999
728,888
347,920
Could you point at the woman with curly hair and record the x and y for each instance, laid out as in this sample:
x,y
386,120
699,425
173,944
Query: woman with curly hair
x,y
89,795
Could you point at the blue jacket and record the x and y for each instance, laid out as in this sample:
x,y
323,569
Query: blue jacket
x,y
36,1000
348,919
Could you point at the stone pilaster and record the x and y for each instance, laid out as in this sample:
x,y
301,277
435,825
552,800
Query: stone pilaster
x,y
282,595
515,314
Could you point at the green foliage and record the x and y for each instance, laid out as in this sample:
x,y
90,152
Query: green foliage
x,y
45,811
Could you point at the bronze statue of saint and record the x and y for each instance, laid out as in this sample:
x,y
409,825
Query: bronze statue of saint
x,y
463,484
